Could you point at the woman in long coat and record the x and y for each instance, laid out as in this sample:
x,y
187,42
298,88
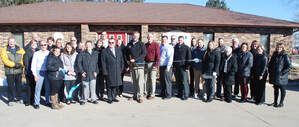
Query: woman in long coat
x,y
279,67
113,65
259,75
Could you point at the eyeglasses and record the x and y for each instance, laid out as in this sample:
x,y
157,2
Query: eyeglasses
x,y
44,45
73,40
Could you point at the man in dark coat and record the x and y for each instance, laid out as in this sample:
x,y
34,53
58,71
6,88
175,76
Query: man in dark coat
x,y
30,83
112,67
182,57
135,54
87,67
228,70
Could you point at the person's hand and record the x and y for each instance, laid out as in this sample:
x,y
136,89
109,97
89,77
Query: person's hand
x,y
127,69
261,77
214,74
70,69
95,74
132,60
35,78
168,69
83,74
18,65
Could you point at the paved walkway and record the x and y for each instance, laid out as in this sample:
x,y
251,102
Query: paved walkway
x,y
157,113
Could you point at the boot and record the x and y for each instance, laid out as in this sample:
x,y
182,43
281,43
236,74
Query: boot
x,y
58,104
54,103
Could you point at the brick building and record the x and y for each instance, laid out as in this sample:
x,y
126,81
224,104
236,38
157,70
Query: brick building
x,y
86,21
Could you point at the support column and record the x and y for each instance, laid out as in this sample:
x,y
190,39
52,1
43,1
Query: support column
x,y
144,32
84,32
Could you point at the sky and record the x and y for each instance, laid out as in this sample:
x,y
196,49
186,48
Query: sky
x,y
279,9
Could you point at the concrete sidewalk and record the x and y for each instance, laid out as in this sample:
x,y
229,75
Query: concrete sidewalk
x,y
158,112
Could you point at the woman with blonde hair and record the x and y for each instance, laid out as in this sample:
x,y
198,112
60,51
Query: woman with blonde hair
x,y
279,67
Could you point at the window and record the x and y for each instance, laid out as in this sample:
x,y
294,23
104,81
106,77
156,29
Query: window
x,y
265,41
19,39
209,36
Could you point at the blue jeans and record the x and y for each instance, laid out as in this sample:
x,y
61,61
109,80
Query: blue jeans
x,y
210,85
42,79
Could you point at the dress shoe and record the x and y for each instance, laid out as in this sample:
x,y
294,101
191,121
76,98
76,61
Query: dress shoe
x,y
139,100
115,100
280,105
150,97
10,104
36,106
82,103
95,102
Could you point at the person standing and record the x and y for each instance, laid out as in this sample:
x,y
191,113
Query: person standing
x,y
113,65
88,68
56,74
173,41
236,50
254,52
50,42
221,50
152,59
38,68
27,60
211,62
59,43
12,58
198,53
136,53
182,57
100,86
191,73
279,67
259,73
119,44
245,62
166,59
228,70
68,58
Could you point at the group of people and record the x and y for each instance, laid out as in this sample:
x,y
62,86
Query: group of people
x,y
84,72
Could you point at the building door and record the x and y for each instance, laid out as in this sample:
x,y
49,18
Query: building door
x,y
117,35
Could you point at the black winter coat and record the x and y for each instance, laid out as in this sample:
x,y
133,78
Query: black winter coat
x,y
113,66
53,64
182,53
211,62
228,78
259,67
245,62
27,60
279,67
87,63
99,50
136,51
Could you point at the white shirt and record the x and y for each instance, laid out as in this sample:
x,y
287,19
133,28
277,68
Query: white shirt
x,y
166,55
225,64
39,61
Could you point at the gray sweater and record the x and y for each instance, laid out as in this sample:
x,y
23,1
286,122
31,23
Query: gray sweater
x,y
68,64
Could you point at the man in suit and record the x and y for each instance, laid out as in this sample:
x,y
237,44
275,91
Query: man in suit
x,y
112,67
